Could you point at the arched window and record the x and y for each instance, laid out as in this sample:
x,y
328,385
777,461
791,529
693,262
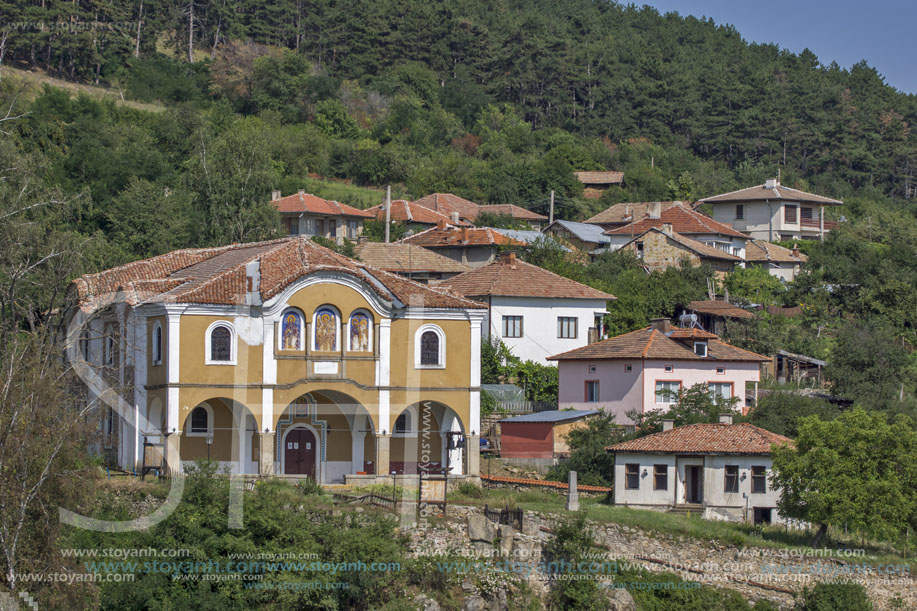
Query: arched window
x,y
430,348
326,330
291,326
402,423
360,332
157,344
200,422
220,348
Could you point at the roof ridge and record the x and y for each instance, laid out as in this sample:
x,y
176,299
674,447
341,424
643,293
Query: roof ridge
x,y
649,343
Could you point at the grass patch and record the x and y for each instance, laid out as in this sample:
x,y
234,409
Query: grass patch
x,y
352,195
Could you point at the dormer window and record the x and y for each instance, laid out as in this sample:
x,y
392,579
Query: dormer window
x,y
700,348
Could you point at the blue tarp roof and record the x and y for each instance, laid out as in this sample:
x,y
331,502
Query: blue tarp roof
x,y
552,416
587,232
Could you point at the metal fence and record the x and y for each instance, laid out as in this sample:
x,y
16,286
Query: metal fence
x,y
525,407
511,517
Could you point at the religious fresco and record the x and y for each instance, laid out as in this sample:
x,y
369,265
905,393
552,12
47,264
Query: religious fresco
x,y
326,330
291,331
359,332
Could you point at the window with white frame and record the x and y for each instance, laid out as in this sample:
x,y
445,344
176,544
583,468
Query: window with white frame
x,y
667,391
200,421
429,348
722,390
512,326
700,348
566,327
220,348
157,343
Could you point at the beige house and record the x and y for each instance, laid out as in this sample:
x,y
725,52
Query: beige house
x,y
306,214
283,357
784,263
774,212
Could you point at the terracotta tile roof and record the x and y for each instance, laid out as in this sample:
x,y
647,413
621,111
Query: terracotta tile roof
x,y
650,343
600,178
517,212
719,308
683,220
447,203
762,251
218,276
691,334
306,202
716,438
498,479
777,192
407,212
630,211
401,257
464,236
511,277
701,249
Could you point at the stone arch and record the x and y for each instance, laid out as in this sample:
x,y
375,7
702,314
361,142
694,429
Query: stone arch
x,y
426,443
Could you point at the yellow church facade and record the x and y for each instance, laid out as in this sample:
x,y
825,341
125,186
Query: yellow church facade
x,y
284,358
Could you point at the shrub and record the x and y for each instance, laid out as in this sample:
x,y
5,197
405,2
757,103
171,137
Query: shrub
x,y
310,487
831,596
470,490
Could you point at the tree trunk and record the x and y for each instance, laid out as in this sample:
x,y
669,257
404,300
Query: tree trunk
x,y
191,32
820,535
139,21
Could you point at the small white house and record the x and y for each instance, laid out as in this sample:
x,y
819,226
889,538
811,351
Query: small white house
x,y
721,470
534,312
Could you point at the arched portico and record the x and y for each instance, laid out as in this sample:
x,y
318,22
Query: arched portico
x,y
222,430
341,430
429,436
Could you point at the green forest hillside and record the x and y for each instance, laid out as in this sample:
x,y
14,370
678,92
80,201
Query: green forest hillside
x,y
598,70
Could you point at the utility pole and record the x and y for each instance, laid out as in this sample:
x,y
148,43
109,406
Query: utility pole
x,y
551,213
388,211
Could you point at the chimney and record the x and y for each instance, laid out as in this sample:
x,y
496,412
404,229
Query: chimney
x,y
668,425
725,418
436,201
464,234
509,258
771,183
661,324
455,217
275,195
667,229
253,283
441,224
301,192
655,209
796,250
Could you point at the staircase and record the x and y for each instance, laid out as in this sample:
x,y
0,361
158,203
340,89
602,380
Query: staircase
x,y
686,509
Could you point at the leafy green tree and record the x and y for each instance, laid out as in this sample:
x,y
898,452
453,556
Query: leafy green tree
x,y
693,405
593,465
538,381
828,596
755,285
780,412
231,177
570,545
869,364
858,470
148,219
331,118
374,230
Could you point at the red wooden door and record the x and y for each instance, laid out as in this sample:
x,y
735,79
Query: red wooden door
x,y
299,453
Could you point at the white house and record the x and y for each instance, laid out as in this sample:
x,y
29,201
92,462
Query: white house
x,y
534,312
774,212
642,370
722,470
783,263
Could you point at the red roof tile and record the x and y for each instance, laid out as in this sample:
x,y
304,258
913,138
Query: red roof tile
x,y
716,438
514,211
510,277
777,192
447,203
627,212
650,343
407,212
683,220
306,202
218,276
719,308
399,257
600,178
464,236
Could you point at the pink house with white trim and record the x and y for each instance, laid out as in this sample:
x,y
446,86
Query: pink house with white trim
x,y
635,370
